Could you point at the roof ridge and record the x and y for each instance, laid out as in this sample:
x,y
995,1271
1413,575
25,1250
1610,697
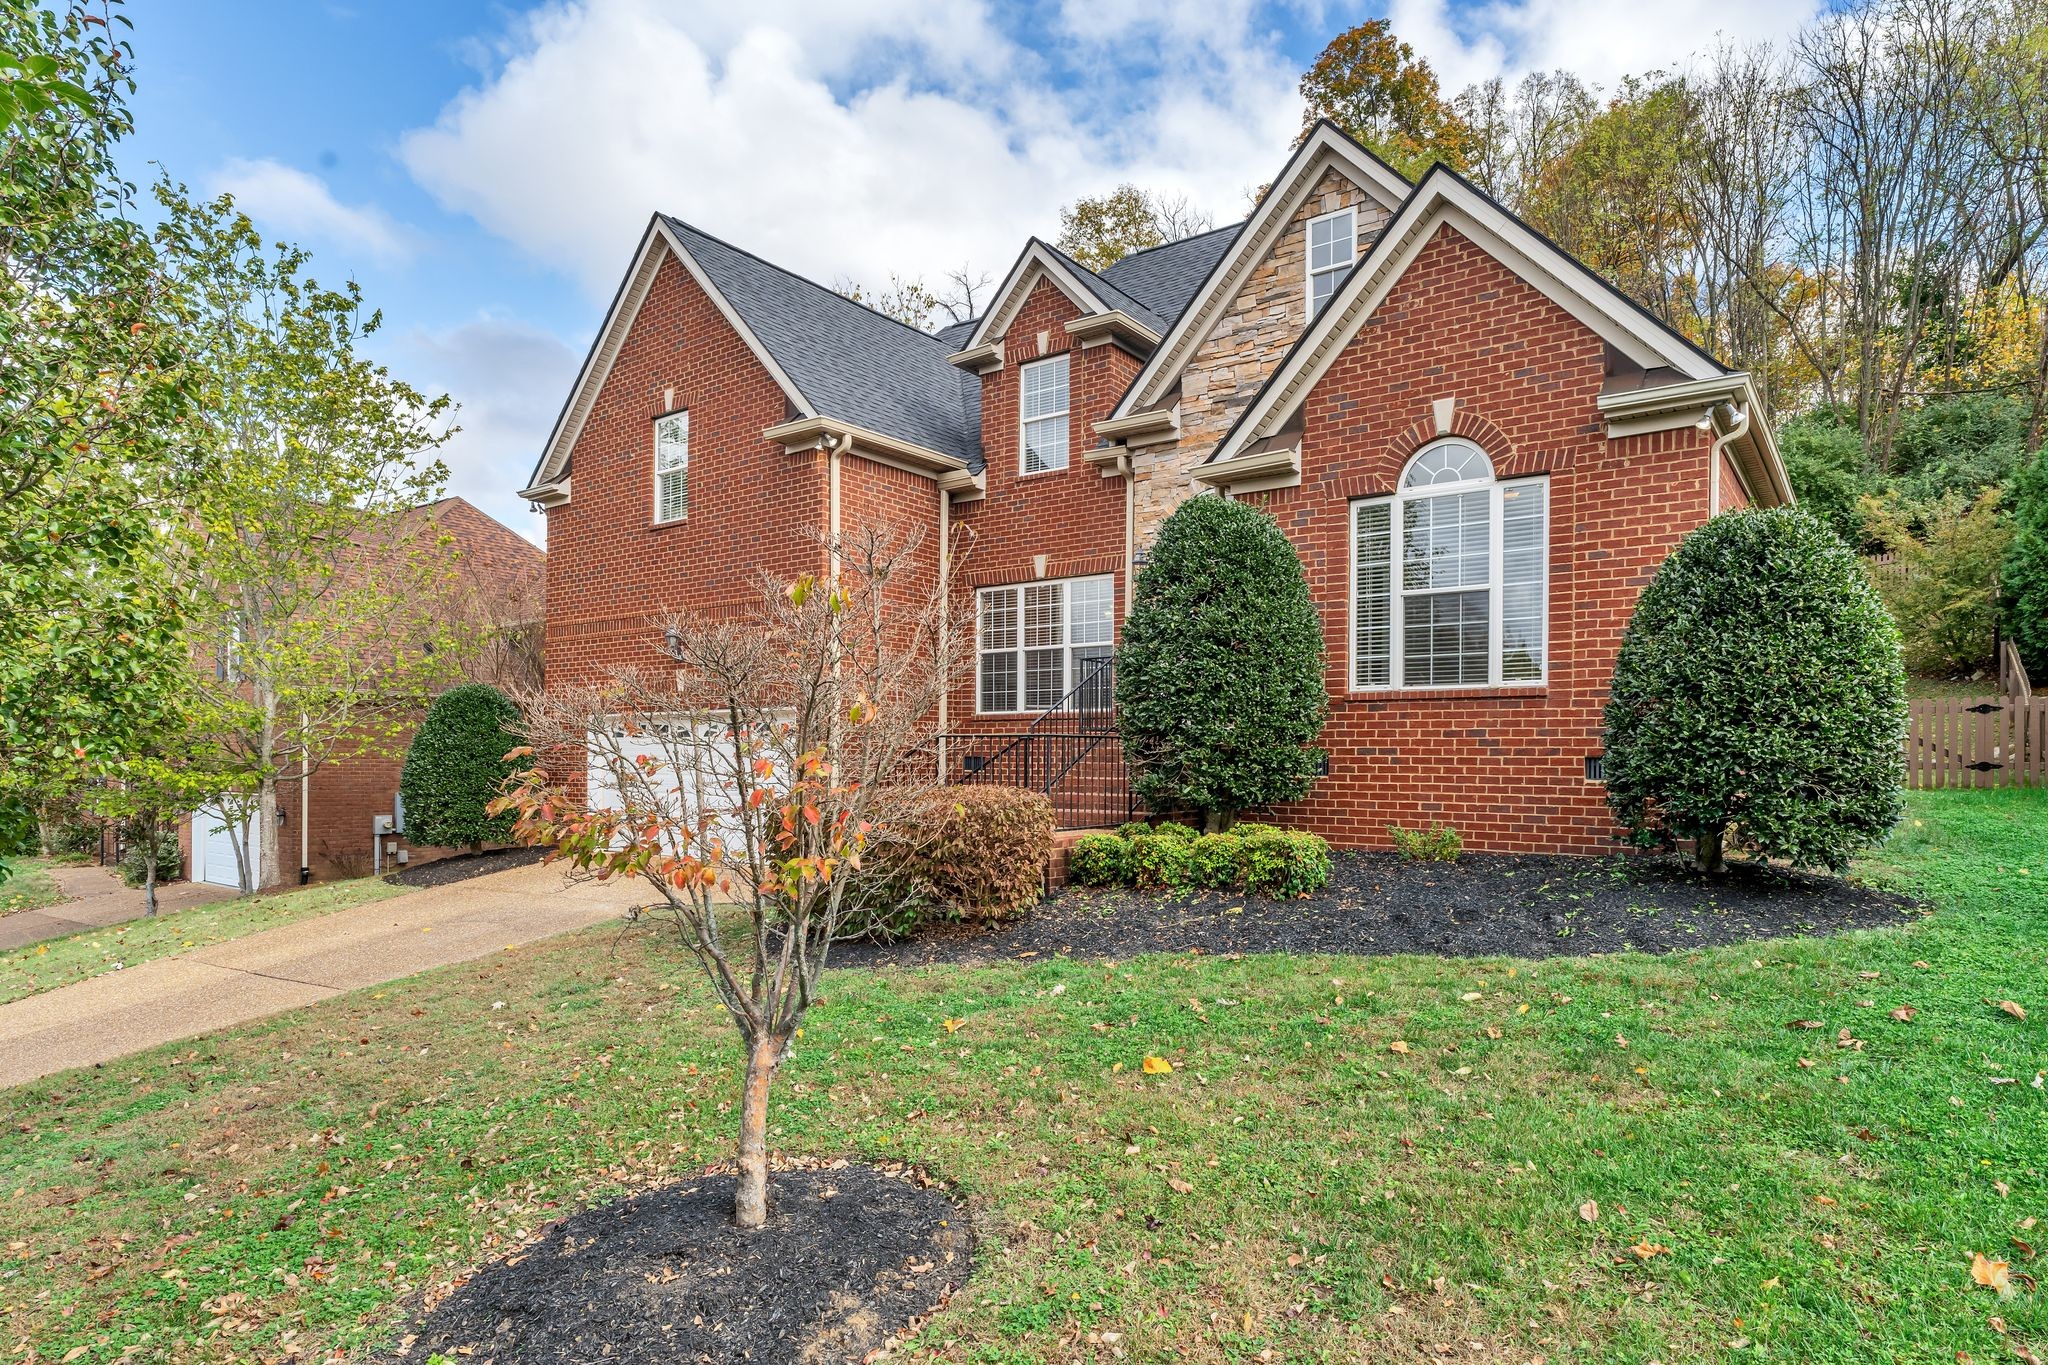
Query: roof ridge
x,y
799,277
1192,236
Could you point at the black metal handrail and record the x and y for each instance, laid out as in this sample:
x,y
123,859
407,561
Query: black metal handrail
x,y
1071,752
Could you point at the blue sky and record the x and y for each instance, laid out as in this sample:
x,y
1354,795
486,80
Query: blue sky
x,y
484,168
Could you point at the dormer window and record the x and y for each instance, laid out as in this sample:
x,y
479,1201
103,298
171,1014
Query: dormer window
x,y
672,467
1332,249
1042,413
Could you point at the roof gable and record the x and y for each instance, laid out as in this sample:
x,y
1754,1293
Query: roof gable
x,y
830,356
1326,147
1445,197
1165,277
1083,288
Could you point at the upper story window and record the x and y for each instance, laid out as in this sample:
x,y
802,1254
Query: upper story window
x,y
1332,248
1043,414
1450,576
1039,642
672,467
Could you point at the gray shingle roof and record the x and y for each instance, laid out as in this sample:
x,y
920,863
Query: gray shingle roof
x,y
955,334
849,361
1164,278
1109,293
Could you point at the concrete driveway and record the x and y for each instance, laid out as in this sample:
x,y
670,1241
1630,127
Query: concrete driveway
x,y
93,899
296,964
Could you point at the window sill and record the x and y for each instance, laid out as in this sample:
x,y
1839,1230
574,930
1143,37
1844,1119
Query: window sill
x,y
1501,692
672,521
1042,473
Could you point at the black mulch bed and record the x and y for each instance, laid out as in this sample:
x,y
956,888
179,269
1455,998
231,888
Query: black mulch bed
x,y
463,866
851,1257
1482,905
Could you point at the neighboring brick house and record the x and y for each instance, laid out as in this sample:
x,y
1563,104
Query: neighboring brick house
x,y
1480,450
497,588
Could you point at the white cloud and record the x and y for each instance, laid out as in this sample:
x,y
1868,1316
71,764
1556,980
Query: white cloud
x,y
1601,40
510,379
293,203
843,141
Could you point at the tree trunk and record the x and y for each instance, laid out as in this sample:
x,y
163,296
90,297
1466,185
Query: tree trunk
x,y
1707,850
267,871
750,1202
149,878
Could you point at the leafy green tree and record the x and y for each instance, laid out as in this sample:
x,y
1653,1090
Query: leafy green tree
x,y
1959,445
1101,231
1943,583
314,577
1219,677
2025,573
1374,87
92,391
456,765
1829,470
1758,698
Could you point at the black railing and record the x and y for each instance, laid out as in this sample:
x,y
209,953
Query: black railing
x,y
1072,753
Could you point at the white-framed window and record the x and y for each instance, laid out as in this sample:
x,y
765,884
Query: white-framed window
x,y
1042,413
672,466
1039,641
1450,576
1332,248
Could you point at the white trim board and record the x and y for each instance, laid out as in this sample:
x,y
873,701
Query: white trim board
x,y
1036,262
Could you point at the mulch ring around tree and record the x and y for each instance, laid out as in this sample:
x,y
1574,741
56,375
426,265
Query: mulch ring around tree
x,y
1480,906
462,866
852,1257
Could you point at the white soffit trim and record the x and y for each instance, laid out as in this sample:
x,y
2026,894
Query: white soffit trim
x,y
1443,199
618,325
1326,149
1034,263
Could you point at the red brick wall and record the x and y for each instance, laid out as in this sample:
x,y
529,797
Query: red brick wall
x,y
1506,766
1074,517
1733,499
610,568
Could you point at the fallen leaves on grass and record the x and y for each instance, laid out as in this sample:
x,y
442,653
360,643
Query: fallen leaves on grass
x,y
1645,1250
2013,1008
1590,1211
952,1025
1179,1186
1805,1023
1991,1274
1398,1046
1904,1014
1158,1066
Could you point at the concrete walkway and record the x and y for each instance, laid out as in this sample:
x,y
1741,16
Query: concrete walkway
x,y
279,969
94,899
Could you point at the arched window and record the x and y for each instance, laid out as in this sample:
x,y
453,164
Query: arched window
x,y
1450,575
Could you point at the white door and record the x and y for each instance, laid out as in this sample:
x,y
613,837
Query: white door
x,y
213,849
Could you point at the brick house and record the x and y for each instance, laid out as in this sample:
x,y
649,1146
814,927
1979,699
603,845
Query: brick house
x,y
496,587
1480,450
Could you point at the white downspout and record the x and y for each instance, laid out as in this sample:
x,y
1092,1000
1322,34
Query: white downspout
x,y
945,620
1126,466
833,445
1714,456
305,805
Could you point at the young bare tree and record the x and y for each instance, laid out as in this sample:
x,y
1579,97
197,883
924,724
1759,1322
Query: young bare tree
x,y
747,777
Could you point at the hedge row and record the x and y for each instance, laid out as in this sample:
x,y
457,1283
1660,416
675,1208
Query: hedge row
x,y
1260,859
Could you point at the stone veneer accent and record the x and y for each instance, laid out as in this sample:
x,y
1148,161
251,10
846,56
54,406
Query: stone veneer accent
x,y
1242,349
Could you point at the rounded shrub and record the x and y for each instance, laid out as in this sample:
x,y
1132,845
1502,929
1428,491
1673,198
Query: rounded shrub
x,y
1219,676
1159,862
1131,829
1286,862
975,853
1174,829
454,766
1758,697
1216,861
1100,860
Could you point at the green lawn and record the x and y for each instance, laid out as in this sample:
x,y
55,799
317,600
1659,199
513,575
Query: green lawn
x,y
61,961
1295,1186
28,885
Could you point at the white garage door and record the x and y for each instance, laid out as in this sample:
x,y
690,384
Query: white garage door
x,y
213,849
675,791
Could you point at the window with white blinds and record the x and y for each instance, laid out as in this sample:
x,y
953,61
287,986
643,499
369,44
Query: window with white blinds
x,y
1042,408
1039,642
1450,576
672,467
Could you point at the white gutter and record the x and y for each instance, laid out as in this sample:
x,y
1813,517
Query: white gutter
x,y
1726,439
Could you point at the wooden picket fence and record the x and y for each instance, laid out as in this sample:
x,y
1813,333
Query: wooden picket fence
x,y
1989,741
